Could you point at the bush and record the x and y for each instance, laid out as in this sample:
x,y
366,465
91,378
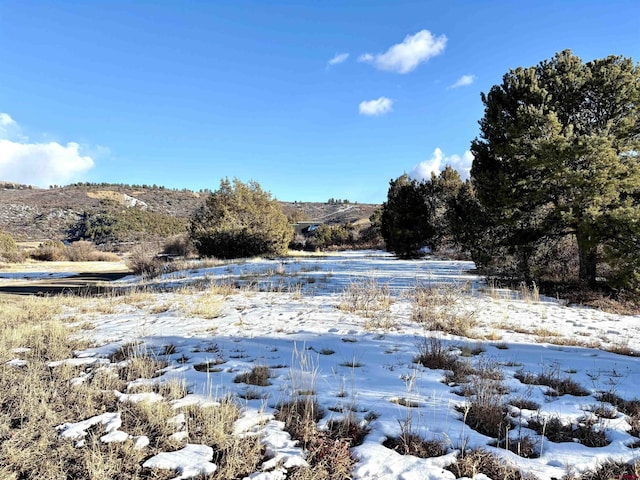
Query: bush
x,y
81,251
49,251
144,261
179,246
9,249
240,220
130,224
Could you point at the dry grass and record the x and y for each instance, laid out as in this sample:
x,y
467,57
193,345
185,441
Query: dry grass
x,y
433,353
551,377
136,362
523,446
259,375
622,348
473,462
529,293
206,306
300,417
608,470
410,443
366,297
524,404
440,309
37,398
328,453
586,431
486,411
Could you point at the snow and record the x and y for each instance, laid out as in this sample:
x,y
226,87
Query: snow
x,y
190,461
79,430
290,320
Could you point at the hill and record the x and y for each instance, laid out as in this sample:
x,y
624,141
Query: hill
x,y
35,214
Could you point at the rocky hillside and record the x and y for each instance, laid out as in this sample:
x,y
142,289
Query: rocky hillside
x,y
34,214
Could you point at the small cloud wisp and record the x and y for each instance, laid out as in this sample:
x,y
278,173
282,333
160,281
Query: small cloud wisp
x,y
406,56
381,106
463,81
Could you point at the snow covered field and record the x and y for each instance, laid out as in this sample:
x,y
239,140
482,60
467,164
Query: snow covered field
x,y
309,321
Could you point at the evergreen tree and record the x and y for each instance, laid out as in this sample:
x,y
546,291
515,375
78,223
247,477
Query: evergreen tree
x,y
240,220
415,213
558,155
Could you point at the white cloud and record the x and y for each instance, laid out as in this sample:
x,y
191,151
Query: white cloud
x,y
6,120
406,56
365,57
376,107
7,125
339,58
40,164
439,161
463,81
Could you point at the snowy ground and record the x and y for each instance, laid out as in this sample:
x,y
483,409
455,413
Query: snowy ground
x,y
290,321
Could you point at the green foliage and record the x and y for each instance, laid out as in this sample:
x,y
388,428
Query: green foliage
x,y
558,156
122,225
406,221
9,249
240,220
415,213
333,235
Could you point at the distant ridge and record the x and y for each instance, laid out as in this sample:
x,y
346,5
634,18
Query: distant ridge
x,y
34,214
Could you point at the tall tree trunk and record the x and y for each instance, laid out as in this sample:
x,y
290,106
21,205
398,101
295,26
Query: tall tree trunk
x,y
587,256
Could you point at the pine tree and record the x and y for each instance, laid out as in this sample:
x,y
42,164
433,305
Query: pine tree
x,y
558,154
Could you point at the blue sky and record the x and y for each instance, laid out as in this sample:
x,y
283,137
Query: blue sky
x,y
311,99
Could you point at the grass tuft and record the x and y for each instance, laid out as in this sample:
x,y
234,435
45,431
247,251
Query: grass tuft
x,y
551,377
259,375
475,462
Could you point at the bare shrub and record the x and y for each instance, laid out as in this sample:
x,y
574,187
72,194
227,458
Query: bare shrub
x,y
49,251
81,251
143,261
179,246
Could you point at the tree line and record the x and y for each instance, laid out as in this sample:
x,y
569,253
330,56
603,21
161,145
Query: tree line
x,y
555,179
